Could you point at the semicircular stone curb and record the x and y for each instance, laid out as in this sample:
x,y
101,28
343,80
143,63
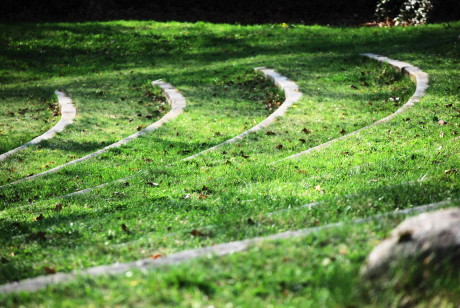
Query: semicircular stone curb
x,y
292,94
40,282
175,100
68,113
415,74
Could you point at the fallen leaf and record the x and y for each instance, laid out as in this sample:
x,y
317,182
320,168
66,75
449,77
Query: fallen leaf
x,y
301,171
196,232
202,196
156,256
39,217
49,270
318,188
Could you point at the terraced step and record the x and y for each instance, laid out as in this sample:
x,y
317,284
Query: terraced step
x,y
37,283
292,95
175,100
418,76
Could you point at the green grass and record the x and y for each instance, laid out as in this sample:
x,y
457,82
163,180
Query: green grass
x,y
24,116
321,269
224,195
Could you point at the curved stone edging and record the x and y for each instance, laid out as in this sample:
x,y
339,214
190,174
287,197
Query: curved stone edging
x,y
175,99
40,282
292,94
68,113
418,76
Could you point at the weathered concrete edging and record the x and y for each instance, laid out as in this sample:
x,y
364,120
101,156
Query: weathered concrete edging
x,y
418,76
68,113
37,283
174,98
292,94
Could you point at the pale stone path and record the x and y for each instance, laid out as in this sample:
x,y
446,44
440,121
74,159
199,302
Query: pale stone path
x,y
175,100
37,283
418,76
68,113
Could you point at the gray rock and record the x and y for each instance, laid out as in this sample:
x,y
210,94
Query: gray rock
x,y
426,241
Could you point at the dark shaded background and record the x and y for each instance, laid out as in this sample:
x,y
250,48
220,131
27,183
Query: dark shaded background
x,y
334,12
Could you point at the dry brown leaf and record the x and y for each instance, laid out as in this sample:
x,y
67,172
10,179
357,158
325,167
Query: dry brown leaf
x,y
39,217
202,196
49,270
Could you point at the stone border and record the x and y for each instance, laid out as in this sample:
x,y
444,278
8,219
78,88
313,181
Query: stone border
x,y
174,98
292,94
68,113
40,282
416,75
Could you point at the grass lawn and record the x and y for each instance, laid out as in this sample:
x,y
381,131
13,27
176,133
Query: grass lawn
x,y
233,193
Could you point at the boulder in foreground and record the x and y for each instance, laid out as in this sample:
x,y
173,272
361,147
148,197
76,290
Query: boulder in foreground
x,y
420,249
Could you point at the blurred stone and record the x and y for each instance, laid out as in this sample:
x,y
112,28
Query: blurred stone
x,y
426,240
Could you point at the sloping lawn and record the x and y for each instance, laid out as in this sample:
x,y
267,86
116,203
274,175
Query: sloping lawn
x,y
240,191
